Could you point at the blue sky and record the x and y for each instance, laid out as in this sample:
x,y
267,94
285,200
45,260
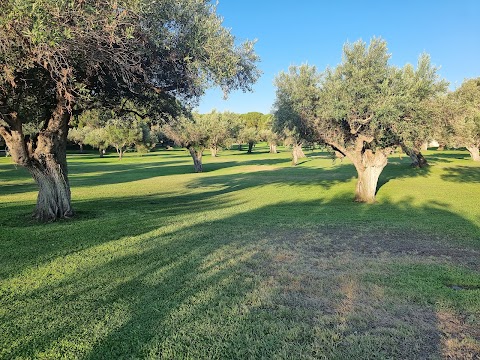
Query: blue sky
x,y
314,31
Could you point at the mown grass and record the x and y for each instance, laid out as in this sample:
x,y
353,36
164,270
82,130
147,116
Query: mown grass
x,y
251,259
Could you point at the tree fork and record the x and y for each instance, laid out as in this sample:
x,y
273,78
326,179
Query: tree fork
x,y
369,166
46,161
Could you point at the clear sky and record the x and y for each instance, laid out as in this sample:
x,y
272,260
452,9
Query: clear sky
x,y
314,31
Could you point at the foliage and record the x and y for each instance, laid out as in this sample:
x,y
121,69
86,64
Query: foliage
x,y
221,128
365,98
77,135
459,115
58,58
123,132
189,132
296,101
363,108
97,138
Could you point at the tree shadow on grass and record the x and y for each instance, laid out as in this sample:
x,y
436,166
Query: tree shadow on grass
x,y
261,283
462,174
88,174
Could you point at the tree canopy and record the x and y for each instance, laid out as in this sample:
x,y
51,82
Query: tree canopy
x,y
62,56
458,115
362,108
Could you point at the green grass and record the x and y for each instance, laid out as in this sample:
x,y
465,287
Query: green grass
x,y
251,259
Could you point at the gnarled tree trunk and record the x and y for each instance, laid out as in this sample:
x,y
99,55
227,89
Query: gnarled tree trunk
x,y
214,151
369,166
197,158
250,147
474,152
297,153
45,158
273,148
418,160
120,152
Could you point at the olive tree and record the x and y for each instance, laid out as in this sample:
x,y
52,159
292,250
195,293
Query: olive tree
x,y
458,114
60,57
364,107
295,107
220,128
191,133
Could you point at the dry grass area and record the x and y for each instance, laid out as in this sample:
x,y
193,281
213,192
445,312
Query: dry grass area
x,y
325,273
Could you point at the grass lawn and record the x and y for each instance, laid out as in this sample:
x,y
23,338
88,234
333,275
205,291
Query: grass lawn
x,y
251,259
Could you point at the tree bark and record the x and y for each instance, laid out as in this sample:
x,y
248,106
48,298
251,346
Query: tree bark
x,y
418,160
369,166
273,148
81,147
214,151
338,155
250,147
297,153
197,158
120,153
424,146
474,152
45,159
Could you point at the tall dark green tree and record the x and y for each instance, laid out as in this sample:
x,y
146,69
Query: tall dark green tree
x,y
59,56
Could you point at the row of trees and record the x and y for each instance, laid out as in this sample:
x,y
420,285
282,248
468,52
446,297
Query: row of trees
x,y
364,108
196,132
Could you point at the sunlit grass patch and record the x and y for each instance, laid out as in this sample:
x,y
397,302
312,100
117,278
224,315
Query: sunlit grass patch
x,y
253,258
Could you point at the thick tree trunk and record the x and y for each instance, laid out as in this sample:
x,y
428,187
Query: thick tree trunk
x,y
424,146
101,152
474,152
197,159
369,166
273,148
418,160
250,147
81,148
214,151
297,153
45,158
54,199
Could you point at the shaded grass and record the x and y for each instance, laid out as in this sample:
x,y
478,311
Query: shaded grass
x,y
251,259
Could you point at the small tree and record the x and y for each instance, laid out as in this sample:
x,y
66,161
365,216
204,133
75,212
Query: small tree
x,y
220,127
272,139
192,134
295,107
250,136
96,138
459,116
253,124
77,136
121,133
